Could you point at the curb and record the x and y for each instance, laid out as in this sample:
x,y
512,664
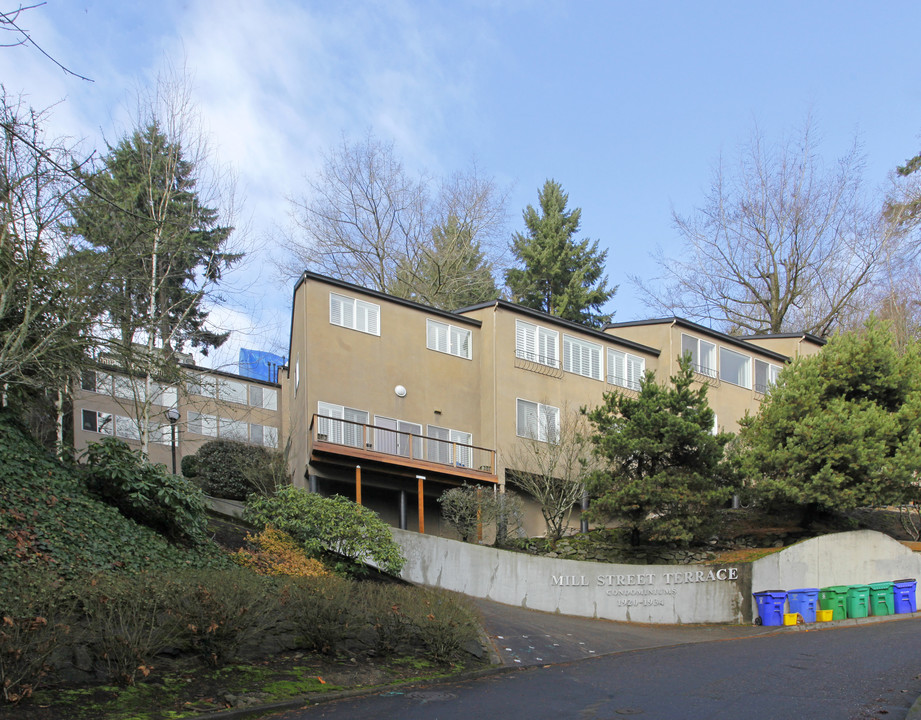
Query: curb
x,y
258,711
499,668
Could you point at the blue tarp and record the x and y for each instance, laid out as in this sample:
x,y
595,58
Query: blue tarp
x,y
260,365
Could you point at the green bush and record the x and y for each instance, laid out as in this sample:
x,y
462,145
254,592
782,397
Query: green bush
x,y
145,492
234,470
328,523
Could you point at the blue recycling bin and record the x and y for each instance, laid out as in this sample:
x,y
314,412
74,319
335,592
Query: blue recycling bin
x,y
804,601
770,606
903,596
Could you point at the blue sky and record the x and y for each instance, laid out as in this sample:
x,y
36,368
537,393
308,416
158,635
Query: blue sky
x,y
628,105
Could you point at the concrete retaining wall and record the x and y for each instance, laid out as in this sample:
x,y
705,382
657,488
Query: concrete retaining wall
x,y
668,594
852,558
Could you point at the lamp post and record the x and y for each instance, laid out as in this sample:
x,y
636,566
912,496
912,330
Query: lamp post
x,y
173,416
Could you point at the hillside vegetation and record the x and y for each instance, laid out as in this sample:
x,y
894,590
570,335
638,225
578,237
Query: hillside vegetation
x,y
49,520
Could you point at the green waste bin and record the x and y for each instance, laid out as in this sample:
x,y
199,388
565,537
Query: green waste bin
x,y
881,599
834,598
858,601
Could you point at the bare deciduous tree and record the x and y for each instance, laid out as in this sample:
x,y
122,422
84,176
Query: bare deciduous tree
x,y
158,215
553,470
367,221
44,314
781,243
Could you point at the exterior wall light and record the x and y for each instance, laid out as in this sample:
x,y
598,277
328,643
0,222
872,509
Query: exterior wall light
x,y
400,391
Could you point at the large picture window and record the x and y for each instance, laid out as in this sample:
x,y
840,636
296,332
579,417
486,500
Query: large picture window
x,y
765,375
354,314
537,421
537,344
735,368
448,339
581,357
703,354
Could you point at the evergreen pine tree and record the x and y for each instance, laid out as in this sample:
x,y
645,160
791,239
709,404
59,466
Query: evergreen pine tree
x,y
664,459
560,275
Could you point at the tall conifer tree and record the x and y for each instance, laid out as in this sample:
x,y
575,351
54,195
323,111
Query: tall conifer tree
x,y
560,275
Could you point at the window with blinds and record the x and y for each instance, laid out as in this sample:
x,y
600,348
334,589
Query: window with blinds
x,y
625,370
354,314
537,421
536,344
446,338
581,357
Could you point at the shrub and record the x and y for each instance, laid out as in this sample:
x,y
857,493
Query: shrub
x,y
34,622
129,621
467,508
145,492
384,607
276,553
334,523
233,470
222,611
322,611
445,624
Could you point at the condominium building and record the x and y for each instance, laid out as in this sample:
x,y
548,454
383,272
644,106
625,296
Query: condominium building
x,y
392,402
179,416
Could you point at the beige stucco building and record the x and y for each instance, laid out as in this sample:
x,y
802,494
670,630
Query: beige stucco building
x,y
395,402
391,403
205,404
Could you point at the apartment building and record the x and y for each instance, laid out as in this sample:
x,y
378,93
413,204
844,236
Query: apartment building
x,y
391,403
738,370
182,415
394,402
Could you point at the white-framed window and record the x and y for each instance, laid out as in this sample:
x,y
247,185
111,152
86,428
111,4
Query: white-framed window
x,y
449,447
341,425
703,354
160,434
297,373
98,422
446,338
261,397
123,388
165,395
354,314
735,368
264,435
202,424
625,370
271,436
765,375
203,385
537,344
232,391
126,428
233,429
581,357
537,421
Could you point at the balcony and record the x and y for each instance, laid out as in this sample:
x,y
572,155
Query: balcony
x,y
336,440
